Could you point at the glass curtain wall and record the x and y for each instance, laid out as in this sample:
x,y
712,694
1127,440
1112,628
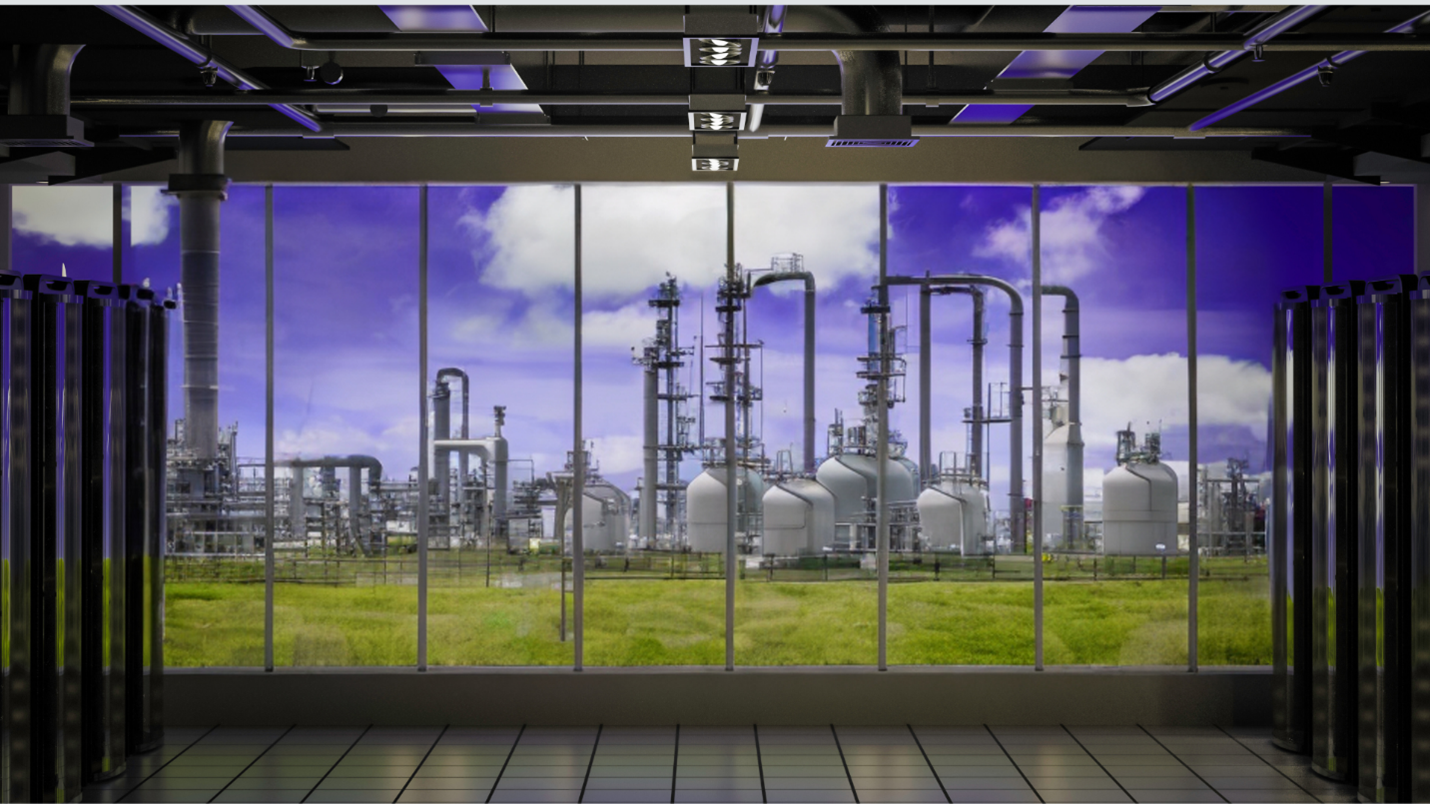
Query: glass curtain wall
x,y
1115,538
63,231
346,424
961,587
500,321
808,589
653,257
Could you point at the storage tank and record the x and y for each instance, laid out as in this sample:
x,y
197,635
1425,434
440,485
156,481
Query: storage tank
x,y
853,479
1139,510
954,516
798,518
1055,483
706,507
605,518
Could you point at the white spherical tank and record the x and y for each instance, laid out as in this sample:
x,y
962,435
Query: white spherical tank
x,y
1139,510
941,516
706,507
799,518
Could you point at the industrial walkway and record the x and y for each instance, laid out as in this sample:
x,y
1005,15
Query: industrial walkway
x,y
719,764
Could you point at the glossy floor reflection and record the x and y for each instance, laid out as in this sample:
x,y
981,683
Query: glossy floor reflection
x,y
719,764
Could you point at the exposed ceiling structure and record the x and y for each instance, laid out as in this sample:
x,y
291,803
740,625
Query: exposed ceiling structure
x,y
513,93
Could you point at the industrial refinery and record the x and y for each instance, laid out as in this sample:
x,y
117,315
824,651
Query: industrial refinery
x,y
820,500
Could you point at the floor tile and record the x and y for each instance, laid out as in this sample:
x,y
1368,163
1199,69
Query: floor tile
x,y
1175,796
808,797
807,783
718,782
352,797
275,783
628,783
546,783
1163,783
442,797
633,796
170,797
1264,796
718,797
885,783
1251,782
985,783
1073,783
231,796
976,770
1079,796
880,796
992,796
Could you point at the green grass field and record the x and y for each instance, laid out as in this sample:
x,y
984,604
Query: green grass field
x,y
641,620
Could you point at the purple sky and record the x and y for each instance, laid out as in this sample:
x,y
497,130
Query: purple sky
x,y
501,303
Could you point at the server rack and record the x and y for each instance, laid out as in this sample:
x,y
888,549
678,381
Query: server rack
x,y
1289,539
1417,598
16,692
103,550
1333,551
56,526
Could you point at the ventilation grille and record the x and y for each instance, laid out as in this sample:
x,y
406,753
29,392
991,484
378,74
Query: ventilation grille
x,y
835,142
714,164
41,143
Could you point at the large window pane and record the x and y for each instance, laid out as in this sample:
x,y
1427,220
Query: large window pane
x,y
1116,576
961,590
808,592
1252,242
652,599
62,230
345,385
500,326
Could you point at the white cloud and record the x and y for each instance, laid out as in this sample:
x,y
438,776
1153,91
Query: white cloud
x,y
618,454
148,214
1072,240
634,236
70,216
1146,389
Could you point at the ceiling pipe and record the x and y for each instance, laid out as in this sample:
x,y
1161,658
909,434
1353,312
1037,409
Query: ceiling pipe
x,y
205,59
774,23
840,40
871,82
682,131
1305,75
1272,28
40,79
469,97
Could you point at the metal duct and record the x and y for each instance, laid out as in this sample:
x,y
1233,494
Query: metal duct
x,y
872,82
442,431
297,510
809,311
201,188
1015,386
1072,356
40,79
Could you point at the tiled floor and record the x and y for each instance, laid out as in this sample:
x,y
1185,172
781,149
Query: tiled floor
x,y
719,764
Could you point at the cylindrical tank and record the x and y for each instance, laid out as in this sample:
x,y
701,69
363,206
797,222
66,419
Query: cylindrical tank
x,y
1055,485
1139,510
706,507
799,518
941,516
853,478
605,518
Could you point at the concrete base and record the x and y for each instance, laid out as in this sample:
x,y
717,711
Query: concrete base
x,y
711,696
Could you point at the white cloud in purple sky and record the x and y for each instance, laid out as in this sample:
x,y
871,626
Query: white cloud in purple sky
x,y
1074,243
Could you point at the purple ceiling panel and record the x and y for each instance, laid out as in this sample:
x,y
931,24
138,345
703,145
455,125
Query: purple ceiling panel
x,y
434,18
1060,63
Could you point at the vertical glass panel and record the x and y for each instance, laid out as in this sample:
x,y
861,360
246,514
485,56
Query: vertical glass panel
x,y
1372,232
346,422
1252,242
807,593
63,231
655,592
216,526
961,582
500,325
1117,559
